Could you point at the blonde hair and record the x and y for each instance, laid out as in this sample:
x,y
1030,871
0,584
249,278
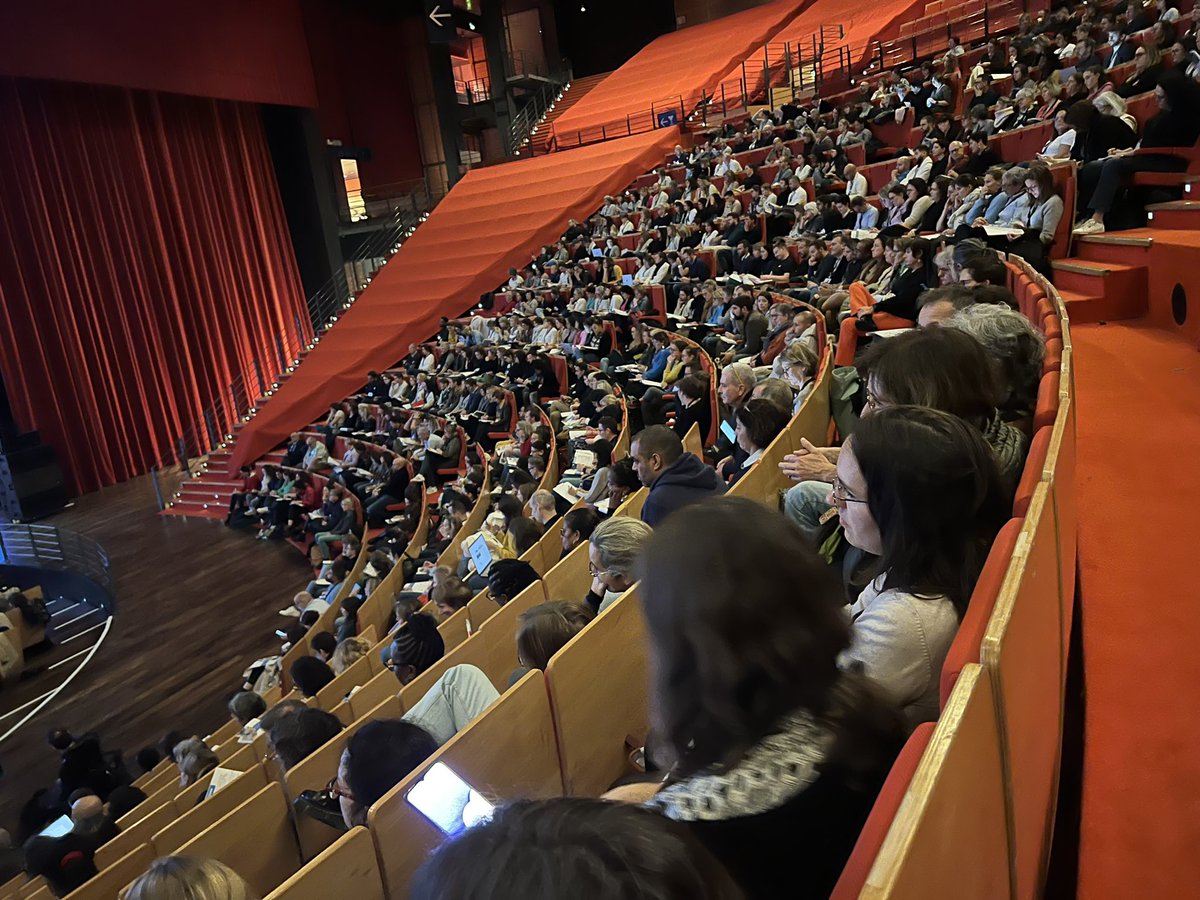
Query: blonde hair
x,y
185,878
1111,103
348,652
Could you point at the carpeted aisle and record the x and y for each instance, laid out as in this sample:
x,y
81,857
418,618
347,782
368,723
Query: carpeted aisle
x,y
1139,536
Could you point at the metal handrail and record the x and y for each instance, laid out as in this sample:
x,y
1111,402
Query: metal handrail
x,y
535,110
811,63
59,549
214,426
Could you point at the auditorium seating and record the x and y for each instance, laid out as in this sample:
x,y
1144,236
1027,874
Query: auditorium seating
x,y
981,780
970,802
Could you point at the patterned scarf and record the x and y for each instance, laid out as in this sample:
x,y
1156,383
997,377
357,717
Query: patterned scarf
x,y
774,771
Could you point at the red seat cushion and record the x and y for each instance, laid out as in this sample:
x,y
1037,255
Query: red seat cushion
x,y
965,648
875,829
1031,475
1047,401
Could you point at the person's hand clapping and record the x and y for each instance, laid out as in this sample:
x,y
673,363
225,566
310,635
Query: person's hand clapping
x,y
810,463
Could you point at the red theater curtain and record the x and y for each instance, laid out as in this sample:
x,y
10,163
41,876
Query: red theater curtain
x,y
145,264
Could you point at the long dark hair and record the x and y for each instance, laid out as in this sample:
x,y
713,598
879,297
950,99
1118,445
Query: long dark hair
x,y
940,368
741,637
936,494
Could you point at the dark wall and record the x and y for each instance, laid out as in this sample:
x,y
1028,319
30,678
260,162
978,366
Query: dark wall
x,y
341,56
229,49
303,174
610,31
363,92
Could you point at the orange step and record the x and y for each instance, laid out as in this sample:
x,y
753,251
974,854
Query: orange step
x,y
576,90
1176,214
1101,291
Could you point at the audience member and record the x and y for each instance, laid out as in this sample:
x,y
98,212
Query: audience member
x,y
529,850
613,552
292,738
773,755
675,478
919,489
309,675
184,878
377,757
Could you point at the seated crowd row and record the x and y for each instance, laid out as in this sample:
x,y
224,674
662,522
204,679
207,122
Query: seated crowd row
x,y
859,580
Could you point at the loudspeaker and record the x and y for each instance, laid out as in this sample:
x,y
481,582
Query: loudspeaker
x,y
31,482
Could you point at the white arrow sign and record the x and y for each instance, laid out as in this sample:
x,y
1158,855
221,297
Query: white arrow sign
x,y
437,17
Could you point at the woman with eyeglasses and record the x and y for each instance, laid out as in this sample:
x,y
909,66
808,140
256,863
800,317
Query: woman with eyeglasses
x,y
377,758
930,367
1147,67
919,489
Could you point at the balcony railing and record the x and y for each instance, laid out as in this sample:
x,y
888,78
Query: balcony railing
x,y
61,550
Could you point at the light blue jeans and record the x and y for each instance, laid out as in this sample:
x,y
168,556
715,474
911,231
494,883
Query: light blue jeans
x,y
804,504
462,693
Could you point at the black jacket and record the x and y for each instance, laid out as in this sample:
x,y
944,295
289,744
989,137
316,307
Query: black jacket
x,y
699,414
683,482
813,833
907,288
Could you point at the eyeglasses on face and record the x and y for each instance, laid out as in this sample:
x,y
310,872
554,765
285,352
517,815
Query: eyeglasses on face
x,y
597,573
840,497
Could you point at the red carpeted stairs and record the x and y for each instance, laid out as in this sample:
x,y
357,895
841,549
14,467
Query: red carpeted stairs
x,y
206,495
1112,274
576,90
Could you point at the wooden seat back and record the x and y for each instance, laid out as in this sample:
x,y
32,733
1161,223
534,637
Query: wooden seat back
x,y
221,735
255,839
357,673
147,778
247,756
507,753
378,689
569,579
950,828
112,879
593,716
196,818
136,833
346,868
1022,654
480,608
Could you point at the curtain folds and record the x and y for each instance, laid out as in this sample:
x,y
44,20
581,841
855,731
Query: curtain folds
x,y
145,265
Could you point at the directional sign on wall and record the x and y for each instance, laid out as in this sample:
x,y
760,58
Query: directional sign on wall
x,y
439,20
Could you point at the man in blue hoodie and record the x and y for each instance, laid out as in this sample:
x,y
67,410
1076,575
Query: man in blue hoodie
x,y
675,478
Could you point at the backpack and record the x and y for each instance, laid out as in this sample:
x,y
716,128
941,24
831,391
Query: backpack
x,y
33,611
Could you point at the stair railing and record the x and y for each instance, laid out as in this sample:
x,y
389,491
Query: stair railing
x,y
213,429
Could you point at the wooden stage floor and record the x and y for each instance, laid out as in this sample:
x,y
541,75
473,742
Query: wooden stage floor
x,y
196,603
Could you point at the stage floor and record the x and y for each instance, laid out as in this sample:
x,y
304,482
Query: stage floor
x,y
196,602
